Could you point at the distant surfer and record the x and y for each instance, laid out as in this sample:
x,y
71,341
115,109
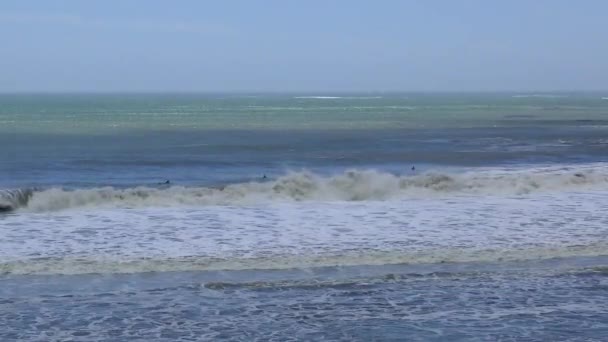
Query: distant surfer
x,y
264,177
413,168
165,182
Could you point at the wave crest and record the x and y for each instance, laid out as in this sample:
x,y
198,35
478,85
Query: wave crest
x,y
12,199
353,185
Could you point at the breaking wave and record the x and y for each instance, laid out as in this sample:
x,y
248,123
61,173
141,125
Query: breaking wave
x,y
12,199
354,185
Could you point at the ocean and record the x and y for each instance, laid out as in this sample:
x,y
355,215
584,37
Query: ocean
x,y
304,217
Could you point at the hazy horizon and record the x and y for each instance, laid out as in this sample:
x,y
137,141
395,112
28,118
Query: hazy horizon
x,y
314,47
313,92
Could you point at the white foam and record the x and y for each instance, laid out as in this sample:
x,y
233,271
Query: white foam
x,y
308,234
547,96
354,185
339,97
317,97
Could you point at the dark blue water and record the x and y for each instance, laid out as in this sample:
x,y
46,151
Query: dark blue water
x,y
220,157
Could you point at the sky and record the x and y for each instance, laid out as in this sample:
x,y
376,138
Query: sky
x,y
306,45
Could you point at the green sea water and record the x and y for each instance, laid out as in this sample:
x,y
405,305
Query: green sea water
x,y
110,113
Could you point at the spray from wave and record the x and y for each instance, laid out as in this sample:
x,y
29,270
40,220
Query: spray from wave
x,y
354,185
12,199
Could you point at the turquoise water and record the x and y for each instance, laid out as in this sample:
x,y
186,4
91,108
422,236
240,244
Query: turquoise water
x,y
443,217
73,114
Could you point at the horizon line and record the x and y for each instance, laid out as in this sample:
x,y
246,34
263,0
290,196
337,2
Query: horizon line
x,y
297,92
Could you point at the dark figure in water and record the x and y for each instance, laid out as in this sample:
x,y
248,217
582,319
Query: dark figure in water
x,y
413,168
5,208
264,176
165,182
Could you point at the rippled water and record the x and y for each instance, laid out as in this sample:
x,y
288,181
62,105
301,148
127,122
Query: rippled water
x,y
547,302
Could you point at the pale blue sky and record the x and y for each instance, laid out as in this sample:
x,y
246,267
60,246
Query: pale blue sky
x,y
307,45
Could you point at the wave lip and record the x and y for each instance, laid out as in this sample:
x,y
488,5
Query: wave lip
x,y
15,198
353,185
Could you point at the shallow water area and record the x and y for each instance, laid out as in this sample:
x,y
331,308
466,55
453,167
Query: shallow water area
x,y
308,234
430,269
560,299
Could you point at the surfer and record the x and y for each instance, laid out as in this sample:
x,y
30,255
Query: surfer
x,y
413,168
264,177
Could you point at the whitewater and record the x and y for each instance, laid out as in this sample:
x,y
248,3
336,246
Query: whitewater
x,y
352,185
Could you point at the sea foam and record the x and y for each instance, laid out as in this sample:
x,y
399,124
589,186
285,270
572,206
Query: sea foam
x,y
464,229
352,185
